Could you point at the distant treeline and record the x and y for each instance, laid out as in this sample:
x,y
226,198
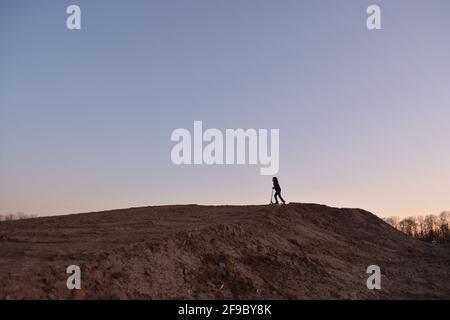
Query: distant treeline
x,y
427,228
15,216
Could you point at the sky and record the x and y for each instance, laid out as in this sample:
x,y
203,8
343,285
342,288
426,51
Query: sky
x,y
86,115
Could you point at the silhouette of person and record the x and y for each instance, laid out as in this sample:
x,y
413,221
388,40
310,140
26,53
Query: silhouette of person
x,y
276,187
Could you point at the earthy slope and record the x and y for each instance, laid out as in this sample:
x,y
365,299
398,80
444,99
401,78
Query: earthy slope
x,y
295,251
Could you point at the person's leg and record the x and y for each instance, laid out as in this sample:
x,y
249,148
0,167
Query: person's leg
x,y
277,193
281,198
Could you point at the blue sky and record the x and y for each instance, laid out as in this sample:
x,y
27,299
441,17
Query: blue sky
x,y
86,115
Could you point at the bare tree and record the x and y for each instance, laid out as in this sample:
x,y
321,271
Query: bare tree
x,y
408,226
393,221
430,227
444,226
420,221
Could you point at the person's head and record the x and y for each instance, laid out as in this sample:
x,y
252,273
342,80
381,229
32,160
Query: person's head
x,y
274,179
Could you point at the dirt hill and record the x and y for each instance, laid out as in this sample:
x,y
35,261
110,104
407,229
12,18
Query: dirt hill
x,y
295,251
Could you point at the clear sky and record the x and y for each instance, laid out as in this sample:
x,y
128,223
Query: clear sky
x,y
86,115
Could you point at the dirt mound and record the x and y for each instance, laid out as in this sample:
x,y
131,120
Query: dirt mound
x,y
296,251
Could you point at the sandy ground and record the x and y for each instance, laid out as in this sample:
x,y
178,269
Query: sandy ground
x,y
296,251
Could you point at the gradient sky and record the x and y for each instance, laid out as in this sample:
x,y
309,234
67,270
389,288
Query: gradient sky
x,y
86,116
